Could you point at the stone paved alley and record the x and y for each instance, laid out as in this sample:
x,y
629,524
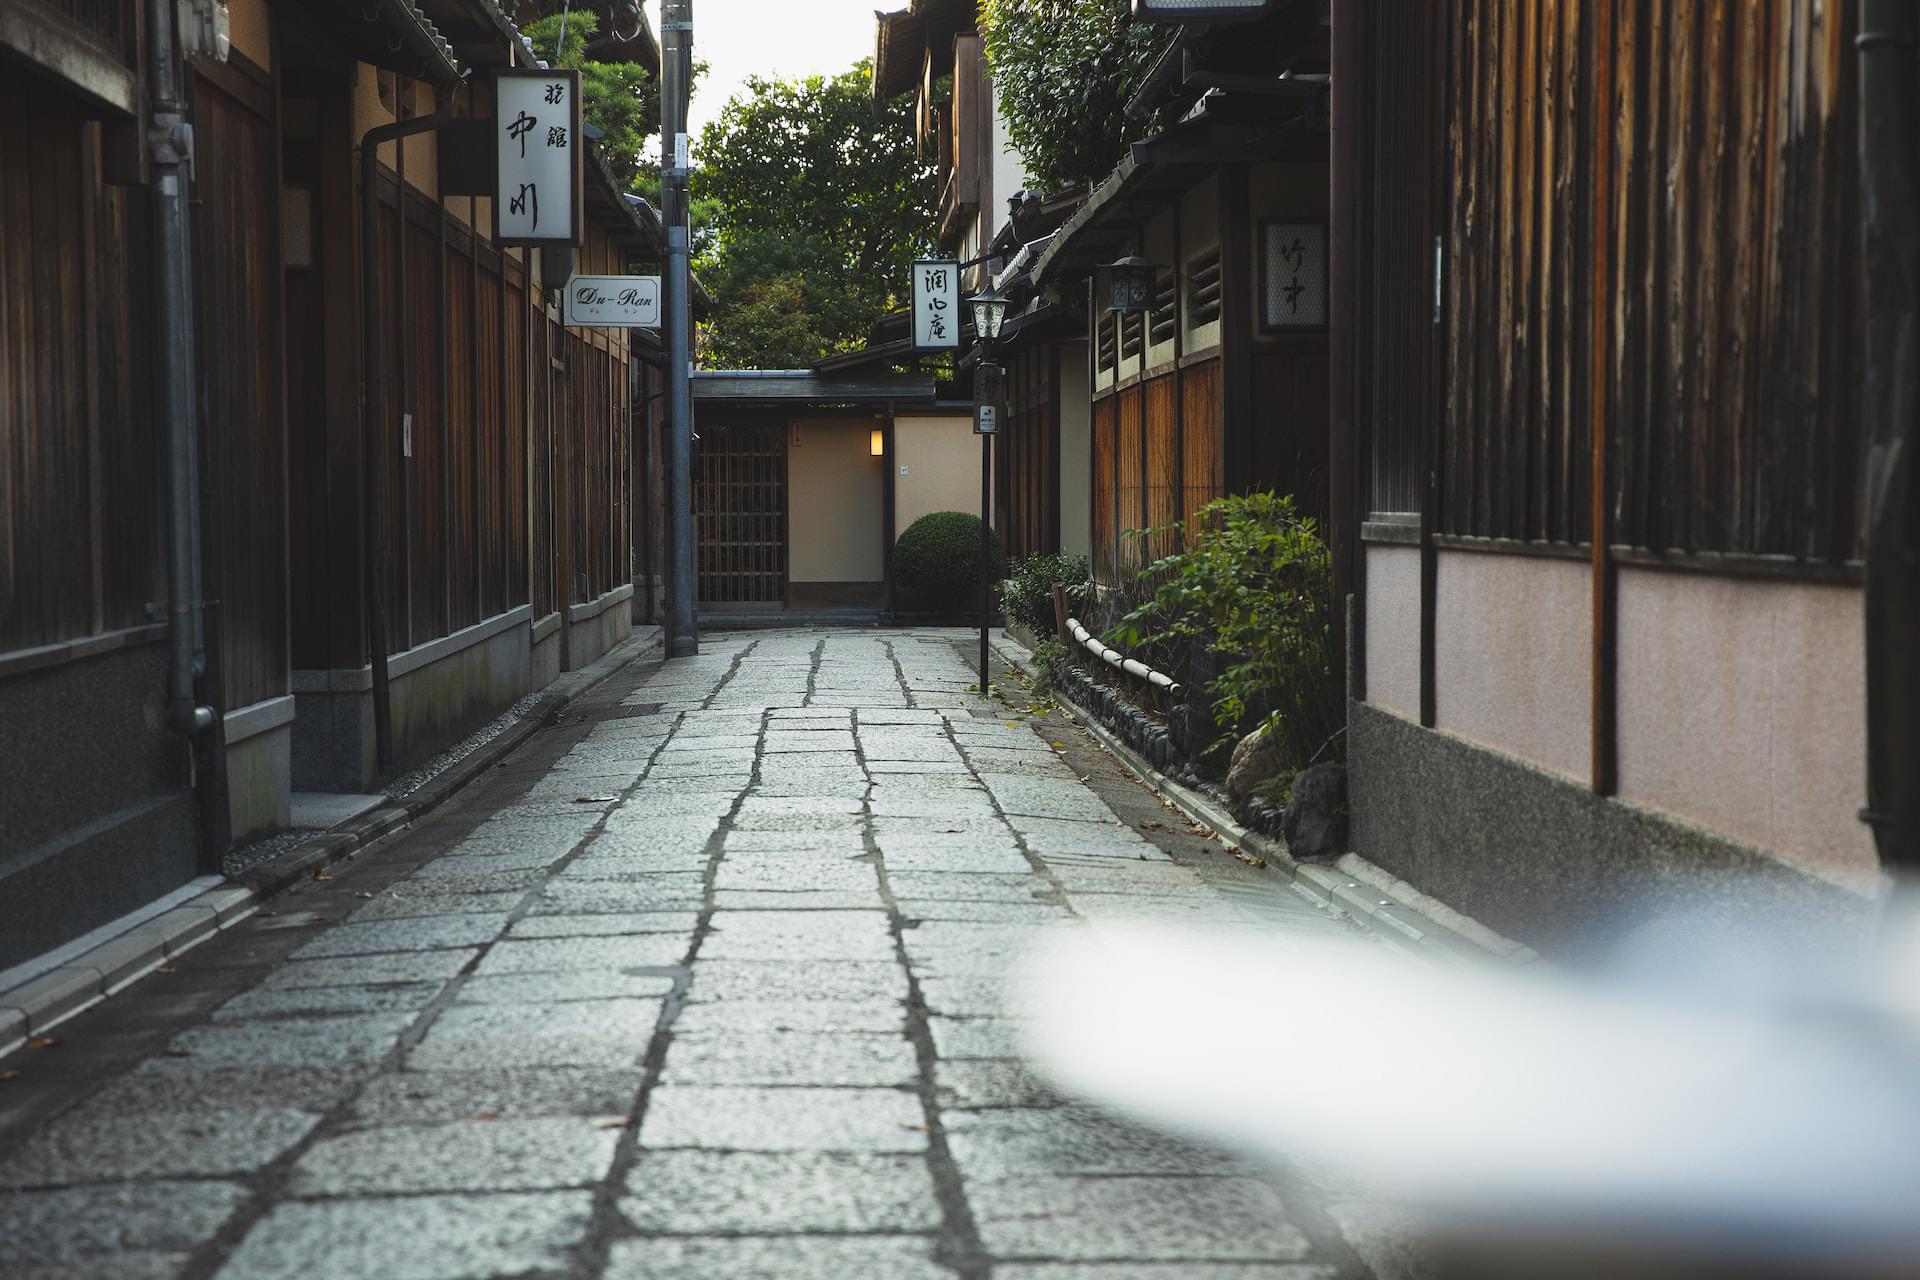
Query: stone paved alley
x,y
703,982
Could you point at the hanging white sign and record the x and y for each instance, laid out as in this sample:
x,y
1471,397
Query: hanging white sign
x,y
537,158
623,302
936,305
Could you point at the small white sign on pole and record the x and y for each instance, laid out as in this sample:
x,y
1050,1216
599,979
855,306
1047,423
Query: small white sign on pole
x,y
936,305
618,302
986,419
537,158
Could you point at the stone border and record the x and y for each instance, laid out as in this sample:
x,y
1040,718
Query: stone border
x,y
1351,887
38,1005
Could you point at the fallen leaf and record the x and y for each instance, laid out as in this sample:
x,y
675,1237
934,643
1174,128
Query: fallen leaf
x,y
45,1042
914,1128
488,1115
595,799
321,873
1059,746
363,895
8,1077
165,968
616,1124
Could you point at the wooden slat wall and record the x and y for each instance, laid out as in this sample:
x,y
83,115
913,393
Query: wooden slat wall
x,y
1027,454
1128,452
1104,518
489,439
1731,297
515,463
237,224
424,479
1163,461
46,526
1288,444
461,461
1200,467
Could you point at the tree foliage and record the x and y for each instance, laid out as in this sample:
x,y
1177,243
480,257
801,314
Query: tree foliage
x,y
1063,70
617,98
818,207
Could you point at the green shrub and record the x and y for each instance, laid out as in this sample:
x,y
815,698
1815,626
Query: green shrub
x,y
936,563
1254,584
1027,597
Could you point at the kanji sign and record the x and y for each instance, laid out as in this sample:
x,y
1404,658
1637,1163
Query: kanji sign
x,y
628,302
1293,262
537,158
936,305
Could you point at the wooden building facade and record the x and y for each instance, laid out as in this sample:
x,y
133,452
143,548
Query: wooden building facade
x,y
1600,464
508,453
1221,387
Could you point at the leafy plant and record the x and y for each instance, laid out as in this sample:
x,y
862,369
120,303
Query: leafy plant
x,y
1063,70
818,207
1027,595
937,564
1045,654
618,98
1253,584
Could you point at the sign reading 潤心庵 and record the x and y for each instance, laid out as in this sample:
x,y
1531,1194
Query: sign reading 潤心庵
x,y
936,305
624,302
537,158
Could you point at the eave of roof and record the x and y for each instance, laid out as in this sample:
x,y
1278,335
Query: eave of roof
x,y
1157,169
792,386
902,37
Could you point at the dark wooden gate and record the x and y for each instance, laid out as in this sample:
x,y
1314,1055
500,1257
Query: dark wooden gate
x,y
740,515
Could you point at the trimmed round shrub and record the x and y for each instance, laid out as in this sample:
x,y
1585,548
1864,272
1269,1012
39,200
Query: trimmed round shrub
x,y
936,563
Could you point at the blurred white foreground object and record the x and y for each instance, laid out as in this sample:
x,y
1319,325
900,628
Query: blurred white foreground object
x,y
1767,1113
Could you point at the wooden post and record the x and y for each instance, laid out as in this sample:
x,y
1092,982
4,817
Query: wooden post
x,y
1060,615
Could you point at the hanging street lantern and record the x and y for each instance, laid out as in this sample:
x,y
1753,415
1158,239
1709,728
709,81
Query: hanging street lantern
x,y
989,314
1130,286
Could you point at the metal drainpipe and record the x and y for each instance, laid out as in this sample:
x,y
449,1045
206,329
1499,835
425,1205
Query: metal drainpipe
x,y
373,399
170,139
1887,45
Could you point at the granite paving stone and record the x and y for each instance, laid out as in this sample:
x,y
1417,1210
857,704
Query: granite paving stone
x,y
286,1042
864,1060
1135,1218
783,1119
98,1227
464,1155
432,1237
86,1145
776,1258
499,1093
583,1033
812,935
428,933
742,1192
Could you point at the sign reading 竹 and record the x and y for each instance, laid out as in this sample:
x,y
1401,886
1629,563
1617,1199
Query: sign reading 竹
x,y
936,305
621,302
537,148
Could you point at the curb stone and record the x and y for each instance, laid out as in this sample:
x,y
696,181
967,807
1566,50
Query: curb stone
x,y
38,1005
1358,891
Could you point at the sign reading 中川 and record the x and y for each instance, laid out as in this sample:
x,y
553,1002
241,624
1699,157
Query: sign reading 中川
x,y
537,152
624,302
936,305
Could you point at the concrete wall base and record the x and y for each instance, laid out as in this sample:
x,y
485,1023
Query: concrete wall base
x,y
1541,858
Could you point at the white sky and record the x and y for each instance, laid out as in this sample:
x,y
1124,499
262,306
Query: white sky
x,y
783,38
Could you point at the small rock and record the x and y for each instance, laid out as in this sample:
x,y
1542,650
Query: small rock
x,y
1256,759
1315,822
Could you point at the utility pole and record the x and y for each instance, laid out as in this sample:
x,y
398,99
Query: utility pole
x,y
676,76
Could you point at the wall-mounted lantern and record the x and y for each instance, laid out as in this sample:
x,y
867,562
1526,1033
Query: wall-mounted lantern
x,y
877,443
989,315
1130,286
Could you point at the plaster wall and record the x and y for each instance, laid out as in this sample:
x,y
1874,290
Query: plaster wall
x,y
1742,708
1513,665
1393,629
1076,452
835,501
250,28
942,458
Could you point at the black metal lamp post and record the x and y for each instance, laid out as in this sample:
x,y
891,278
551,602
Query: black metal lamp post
x,y
989,316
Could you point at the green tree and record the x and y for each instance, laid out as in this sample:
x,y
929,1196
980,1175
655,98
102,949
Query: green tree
x,y
817,208
1063,70
617,98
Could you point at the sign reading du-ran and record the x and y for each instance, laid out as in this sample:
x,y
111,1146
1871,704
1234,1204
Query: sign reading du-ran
x,y
537,152
629,302
936,305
